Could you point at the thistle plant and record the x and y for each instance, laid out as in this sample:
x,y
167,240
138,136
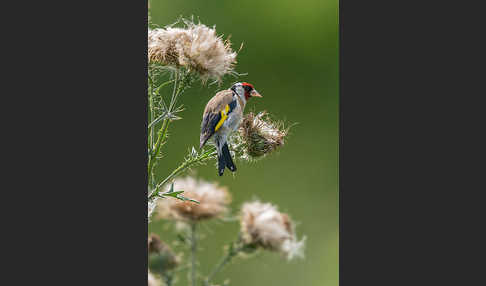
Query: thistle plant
x,y
262,227
179,55
177,58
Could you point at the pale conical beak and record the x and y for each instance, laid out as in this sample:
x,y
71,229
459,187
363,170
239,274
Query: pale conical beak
x,y
255,93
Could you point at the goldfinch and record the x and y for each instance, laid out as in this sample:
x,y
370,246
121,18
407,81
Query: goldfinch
x,y
223,115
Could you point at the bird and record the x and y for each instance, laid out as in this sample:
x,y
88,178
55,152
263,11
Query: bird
x,y
223,115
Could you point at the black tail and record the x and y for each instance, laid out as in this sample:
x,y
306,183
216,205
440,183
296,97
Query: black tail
x,y
225,160
221,164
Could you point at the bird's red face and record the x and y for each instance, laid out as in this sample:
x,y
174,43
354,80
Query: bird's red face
x,y
249,90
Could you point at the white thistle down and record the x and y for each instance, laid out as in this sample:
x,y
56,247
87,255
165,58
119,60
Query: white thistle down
x,y
213,201
196,47
264,226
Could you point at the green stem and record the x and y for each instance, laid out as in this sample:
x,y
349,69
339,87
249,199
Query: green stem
x,y
175,91
152,131
193,253
151,105
184,166
164,84
152,108
225,260
168,279
162,134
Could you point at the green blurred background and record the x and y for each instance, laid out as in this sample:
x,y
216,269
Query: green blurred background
x,y
290,53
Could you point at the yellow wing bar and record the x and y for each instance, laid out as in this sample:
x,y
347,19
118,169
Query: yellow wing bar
x,y
224,115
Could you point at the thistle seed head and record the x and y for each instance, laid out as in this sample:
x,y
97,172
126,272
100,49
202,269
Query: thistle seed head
x,y
258,136
262,225
196,47
213,201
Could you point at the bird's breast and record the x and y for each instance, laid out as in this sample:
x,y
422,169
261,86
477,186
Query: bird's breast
x,y
234,119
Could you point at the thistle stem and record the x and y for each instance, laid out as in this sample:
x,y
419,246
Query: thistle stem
x,y
168,279
161,137
225,260
162,134
152,112
184,166
193,253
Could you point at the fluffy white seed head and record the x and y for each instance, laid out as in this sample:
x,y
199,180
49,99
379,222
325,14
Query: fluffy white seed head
x,y
213,201
196,47
264,226
166,46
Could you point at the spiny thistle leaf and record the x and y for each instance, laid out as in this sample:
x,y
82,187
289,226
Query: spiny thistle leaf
x,y
177,195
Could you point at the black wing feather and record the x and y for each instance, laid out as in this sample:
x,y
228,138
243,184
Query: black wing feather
x,y
208,124
232,105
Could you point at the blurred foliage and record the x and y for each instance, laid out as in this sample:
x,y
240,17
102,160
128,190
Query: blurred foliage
x,y
290,52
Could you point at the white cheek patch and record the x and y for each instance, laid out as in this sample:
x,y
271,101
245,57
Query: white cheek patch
x,y
241,91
